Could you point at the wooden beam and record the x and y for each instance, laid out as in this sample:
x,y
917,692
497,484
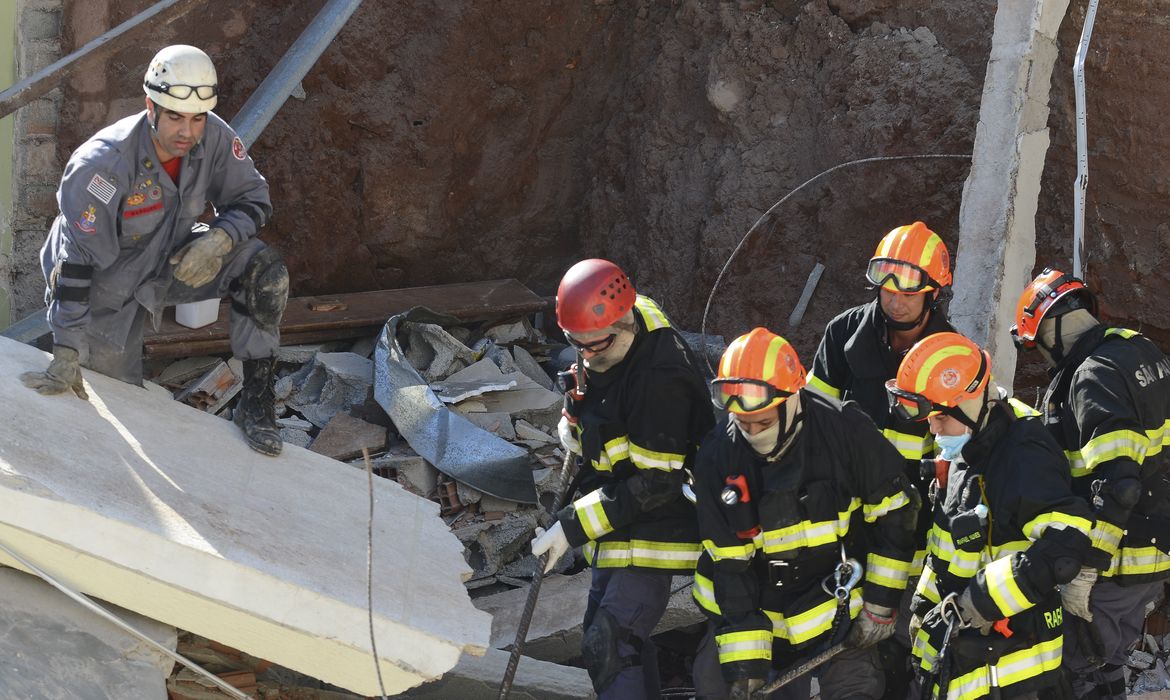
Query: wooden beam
x,y
317,319
121,36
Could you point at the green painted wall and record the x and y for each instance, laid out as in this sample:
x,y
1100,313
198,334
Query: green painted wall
x,y
7,78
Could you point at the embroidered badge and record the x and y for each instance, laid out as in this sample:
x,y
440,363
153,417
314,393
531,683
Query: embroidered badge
x,y
131,213
135,199
155,192
238,149
101,188
85,222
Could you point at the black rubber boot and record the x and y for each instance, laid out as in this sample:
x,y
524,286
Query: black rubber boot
x,y
254,412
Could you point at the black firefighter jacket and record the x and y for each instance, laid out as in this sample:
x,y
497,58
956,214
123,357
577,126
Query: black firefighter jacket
x,y
760,577
640,425
1108,406
1033,536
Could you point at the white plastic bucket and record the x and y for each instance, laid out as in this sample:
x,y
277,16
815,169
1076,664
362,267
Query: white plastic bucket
x,y
197,314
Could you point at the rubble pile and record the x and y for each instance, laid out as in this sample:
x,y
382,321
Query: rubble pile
x,y
1148,667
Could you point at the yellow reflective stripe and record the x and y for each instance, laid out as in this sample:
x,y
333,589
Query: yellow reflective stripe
x,y
1139,561
749,645
652,314
889,503
675,556
924,374
612,452
958,562
1004,590
591,515
808,534
649,459
1106,537
1113,445
919,562
1035,527
703,591
909,446
1011,669
824,387
920,647
809,624
1021,409
1122,332
928,586
741,551
884,571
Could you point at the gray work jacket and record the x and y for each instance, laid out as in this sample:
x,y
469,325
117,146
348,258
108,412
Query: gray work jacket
x,y
122,217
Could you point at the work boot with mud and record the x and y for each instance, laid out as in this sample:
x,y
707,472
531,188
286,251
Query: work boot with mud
x,y
254,413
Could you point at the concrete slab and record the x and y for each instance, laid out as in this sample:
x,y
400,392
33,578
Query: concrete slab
x,y
53,649
997,219
163,509
478,678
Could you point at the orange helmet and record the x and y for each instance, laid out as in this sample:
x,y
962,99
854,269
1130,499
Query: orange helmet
x,y
1051,293
757,372
940,372
593,295
911,260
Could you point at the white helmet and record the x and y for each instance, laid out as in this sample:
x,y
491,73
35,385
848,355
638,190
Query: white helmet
x,y
182,78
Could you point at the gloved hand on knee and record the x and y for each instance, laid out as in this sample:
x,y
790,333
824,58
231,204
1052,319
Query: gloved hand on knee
x,y
873,624
199,261
552,541
64,373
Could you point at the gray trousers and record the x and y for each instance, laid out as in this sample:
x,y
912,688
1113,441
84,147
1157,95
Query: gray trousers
x,y
249,341
636,600
1118,614
854,674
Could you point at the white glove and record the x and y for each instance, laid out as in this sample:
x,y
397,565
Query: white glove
x,y
568,436
972,615
552,541
873,624
1075,594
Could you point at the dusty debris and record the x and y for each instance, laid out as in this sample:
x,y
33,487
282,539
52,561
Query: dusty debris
x,y
345,437
333,382
219,385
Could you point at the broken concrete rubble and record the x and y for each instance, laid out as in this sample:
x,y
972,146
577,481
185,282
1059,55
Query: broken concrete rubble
x,y
478,678
179,520
54,649
333,382
344,437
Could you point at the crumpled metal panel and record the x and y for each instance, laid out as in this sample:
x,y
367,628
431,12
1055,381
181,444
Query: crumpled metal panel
x,y
456,446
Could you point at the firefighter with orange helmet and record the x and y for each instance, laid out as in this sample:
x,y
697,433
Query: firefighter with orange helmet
x,y
1007,529
637,428
793,485
1108,406
861,349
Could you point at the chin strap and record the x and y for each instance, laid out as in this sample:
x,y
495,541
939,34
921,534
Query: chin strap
x,y
909,325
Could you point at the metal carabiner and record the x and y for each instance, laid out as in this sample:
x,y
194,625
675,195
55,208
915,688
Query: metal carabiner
x,y
844,579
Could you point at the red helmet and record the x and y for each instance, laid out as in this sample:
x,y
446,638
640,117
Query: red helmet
x,y
1052,292
593,295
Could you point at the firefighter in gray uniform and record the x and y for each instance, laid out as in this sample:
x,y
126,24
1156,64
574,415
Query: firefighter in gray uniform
x,y
127,241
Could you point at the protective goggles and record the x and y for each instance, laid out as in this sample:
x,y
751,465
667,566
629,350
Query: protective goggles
x,y
750,394
905,277
182,92
906,405
593,346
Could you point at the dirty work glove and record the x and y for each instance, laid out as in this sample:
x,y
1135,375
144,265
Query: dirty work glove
x,y
568,436
552,541
745,688
199,261
972,615
875,623
64,373
1075,594
915,625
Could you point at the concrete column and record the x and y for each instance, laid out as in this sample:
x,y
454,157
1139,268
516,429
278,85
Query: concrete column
x,y
36,166
997,219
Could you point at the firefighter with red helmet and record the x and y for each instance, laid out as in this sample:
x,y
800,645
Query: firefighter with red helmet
x,y
1108,406
860,351
637,428
792,487
1007,529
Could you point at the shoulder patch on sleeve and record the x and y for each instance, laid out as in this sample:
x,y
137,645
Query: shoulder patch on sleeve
x,y
101,188
238,149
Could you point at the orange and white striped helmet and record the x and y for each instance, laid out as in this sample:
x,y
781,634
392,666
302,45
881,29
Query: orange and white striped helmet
x,y
911,260
940,372
758,371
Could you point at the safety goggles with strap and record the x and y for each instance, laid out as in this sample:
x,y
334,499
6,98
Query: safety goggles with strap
x,y
898,275
750,394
